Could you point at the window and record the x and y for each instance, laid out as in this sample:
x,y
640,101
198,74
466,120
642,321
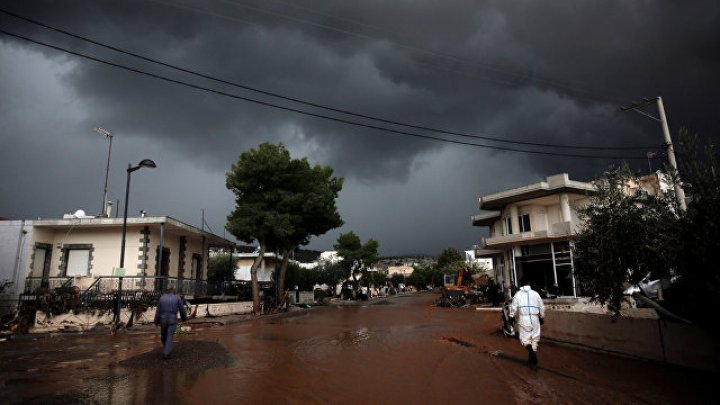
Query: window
x,y
524,221
508,226
78,262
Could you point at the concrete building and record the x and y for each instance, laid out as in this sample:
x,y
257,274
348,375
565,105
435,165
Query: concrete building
x,y
264,272
81,251
531,230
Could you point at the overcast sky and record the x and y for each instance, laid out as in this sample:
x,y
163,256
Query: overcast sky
x,y
549,72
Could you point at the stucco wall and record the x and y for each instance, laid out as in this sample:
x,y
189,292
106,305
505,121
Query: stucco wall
x,y
84,321
652,339
13,267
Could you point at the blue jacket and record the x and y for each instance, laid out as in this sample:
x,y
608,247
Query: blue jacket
x,y
168,308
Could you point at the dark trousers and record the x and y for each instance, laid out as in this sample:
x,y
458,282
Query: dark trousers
x,y
167,330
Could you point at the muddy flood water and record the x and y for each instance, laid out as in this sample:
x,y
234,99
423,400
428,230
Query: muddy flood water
x,y
400,350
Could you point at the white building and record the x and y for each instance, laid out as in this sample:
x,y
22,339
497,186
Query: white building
x,y
531,229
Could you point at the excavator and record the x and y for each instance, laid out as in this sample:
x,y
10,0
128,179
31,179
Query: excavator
x,y
456,290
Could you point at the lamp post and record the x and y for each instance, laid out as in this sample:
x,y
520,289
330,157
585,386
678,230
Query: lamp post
x,y
107,134
144,163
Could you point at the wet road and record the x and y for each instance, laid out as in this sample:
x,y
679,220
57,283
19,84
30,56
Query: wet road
x,y
400,350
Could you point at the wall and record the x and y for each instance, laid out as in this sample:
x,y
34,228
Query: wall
x,y
85,321
14,268
651,339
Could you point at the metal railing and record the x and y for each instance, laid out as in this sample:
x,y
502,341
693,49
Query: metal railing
x,y
57,294
44,284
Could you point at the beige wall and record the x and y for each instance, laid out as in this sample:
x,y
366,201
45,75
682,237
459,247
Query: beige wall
x,y
652,339
106,249
106,245
407,270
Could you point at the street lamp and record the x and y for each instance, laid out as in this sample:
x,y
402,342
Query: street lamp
x,y
144,163
107,134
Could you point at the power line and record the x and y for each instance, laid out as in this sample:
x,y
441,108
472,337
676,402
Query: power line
x,y
316,105
311,114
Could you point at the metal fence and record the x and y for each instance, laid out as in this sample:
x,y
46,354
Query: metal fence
x,y
57,294
38,284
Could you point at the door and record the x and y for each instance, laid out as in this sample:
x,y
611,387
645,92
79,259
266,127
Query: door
x,y
41,264
162,269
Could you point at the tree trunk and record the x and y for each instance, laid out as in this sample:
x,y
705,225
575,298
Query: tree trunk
x,y
281,277
254,279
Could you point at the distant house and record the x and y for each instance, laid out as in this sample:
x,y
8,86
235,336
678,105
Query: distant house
x,y
484,263
330,257
264,272
532,228
80,251
402,270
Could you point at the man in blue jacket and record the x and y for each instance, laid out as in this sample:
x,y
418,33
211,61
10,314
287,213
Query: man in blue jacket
x,y
166,318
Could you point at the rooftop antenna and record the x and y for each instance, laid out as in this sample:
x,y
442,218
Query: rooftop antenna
x,y
108,135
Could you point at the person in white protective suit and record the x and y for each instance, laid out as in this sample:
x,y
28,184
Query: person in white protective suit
x,y
528,309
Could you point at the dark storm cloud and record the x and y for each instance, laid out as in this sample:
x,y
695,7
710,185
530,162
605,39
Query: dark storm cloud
x,y
552,72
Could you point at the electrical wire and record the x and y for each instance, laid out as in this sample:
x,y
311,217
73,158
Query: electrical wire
x,y
307,113
320,106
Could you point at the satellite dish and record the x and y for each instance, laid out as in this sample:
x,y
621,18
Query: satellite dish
x,y
79,214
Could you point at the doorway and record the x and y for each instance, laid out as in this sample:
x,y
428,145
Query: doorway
x,y
162,269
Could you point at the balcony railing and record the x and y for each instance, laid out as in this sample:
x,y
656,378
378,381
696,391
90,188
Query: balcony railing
x,y
559,229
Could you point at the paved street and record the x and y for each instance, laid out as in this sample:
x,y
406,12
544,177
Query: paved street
x,y
399,350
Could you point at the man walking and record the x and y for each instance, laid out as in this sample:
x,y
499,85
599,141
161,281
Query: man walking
x,y
166,318
530,311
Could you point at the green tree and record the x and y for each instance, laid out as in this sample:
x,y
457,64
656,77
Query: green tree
x,y
305,279
332,275
356,255
449,255
397,279
626,236
374,278
221,267
276,200
699,230
311,209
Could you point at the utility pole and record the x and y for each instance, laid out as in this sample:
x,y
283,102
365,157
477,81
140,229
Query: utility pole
x,y
636,106
107,134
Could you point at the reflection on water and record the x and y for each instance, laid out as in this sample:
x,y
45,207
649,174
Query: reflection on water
x,y
350,338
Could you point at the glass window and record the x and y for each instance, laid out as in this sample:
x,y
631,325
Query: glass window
x,y
524,221
78,262
508,226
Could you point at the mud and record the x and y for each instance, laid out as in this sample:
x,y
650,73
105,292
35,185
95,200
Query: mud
x,y
406,352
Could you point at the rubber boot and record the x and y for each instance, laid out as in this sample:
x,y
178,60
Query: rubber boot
x,y
530,353
533,360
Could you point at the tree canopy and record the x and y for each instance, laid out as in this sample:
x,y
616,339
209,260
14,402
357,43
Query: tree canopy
x,y
626,237
280,202
699,230
356,255
449,255
221,267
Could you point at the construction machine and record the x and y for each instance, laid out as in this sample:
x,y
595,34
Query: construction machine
x,y
456,290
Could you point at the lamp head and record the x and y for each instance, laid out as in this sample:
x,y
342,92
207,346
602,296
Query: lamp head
x,y
143,163
147,163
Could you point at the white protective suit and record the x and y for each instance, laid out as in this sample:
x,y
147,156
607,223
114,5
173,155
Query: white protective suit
x,y
527,308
